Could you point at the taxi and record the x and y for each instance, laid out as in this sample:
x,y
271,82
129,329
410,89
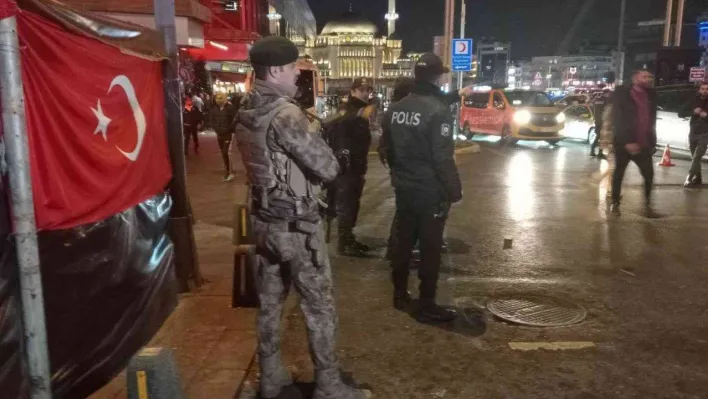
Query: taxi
x,y
512,114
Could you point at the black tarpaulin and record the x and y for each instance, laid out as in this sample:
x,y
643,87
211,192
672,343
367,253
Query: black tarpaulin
x,y
108,287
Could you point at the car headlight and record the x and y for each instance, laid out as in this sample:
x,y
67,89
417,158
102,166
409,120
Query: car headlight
x,y
522,117
560,118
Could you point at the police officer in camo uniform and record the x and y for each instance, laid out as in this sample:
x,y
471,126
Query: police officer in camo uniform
x,y
425,178
285,164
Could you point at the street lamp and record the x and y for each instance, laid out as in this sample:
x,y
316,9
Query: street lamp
x,y
391,16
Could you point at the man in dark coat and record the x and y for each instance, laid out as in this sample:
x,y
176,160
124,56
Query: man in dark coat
x,y
634,115
350,140
222,118
426,183
697,110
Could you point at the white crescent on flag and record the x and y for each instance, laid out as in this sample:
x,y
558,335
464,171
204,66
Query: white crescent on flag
x,y
138,114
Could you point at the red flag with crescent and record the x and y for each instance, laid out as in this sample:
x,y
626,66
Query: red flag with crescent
x,y
96,124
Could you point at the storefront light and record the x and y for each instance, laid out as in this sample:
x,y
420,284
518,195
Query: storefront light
x,y
274,16
218,45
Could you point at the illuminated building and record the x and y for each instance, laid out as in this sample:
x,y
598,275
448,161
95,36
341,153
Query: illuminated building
x,y
349,47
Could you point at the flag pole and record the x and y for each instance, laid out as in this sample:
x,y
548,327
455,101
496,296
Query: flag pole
x,y
181,220
23,219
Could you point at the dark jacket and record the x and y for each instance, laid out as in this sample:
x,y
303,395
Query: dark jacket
x,y
699,126
599,104
421,147
399,94
624,114
222,120
191,117
353,133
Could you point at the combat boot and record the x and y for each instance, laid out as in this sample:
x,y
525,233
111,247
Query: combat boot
x,y
401,300
275,381
330,386
360,246
347,247
430,312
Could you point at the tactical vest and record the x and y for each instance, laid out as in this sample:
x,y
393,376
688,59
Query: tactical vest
x,y
275,180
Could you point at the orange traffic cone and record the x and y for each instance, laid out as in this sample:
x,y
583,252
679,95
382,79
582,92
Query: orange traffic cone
x,y
666,158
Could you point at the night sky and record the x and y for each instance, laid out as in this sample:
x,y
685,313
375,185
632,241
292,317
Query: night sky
x,y
535,27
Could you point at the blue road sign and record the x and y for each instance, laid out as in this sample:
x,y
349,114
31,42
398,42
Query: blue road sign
x,y
462,55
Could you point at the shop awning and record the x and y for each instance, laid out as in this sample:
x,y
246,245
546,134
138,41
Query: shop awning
x,y
217,51
231,77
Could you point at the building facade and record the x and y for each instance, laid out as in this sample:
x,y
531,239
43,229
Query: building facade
x,y
562,73
492,62
350,47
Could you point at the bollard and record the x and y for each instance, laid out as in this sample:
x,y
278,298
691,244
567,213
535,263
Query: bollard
x,y
244,293
152,374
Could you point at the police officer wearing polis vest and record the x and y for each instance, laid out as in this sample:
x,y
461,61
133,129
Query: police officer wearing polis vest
x,y
285,163
426,183
350,140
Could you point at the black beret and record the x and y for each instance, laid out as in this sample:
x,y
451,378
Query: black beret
x,y
273,51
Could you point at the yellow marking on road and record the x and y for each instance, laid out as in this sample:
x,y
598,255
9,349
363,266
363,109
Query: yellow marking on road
x,y
142,385
551,346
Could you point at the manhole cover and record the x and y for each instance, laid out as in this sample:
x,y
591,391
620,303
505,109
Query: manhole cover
x,y
537,311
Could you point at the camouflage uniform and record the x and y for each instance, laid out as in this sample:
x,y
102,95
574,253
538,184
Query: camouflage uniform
x,y
285,164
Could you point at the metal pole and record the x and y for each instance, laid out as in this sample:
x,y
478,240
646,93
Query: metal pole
x,y
463,16
620,44
449,27
679,23
25,228
667,24
181,220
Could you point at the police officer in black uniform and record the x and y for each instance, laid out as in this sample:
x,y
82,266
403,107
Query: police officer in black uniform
x,y
598,106
426,183
350,141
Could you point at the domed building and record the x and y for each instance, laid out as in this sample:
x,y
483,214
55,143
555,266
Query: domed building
x,y
349,47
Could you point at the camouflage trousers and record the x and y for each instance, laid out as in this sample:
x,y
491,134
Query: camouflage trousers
x,y
288,256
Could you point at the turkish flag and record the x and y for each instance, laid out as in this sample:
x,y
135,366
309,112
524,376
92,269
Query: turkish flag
x,y
96,122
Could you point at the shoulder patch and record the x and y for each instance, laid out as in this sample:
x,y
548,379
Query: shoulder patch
x,y
445,130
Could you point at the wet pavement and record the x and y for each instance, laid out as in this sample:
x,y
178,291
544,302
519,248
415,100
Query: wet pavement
x,y
643,283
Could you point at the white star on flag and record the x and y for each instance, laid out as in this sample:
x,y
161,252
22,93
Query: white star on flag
x,y
103,121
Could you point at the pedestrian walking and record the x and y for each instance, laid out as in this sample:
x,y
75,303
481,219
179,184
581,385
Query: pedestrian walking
x,y
284,164
191,119
634,119
697,110
350,139
599,104
198,101
222,119
426,183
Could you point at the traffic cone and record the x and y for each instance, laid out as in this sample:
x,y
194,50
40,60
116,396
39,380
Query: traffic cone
x,y
666,158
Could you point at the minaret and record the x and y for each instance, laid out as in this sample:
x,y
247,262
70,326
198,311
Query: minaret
x,y
391,17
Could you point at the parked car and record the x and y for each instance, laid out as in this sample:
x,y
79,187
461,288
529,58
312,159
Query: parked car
x,y
512,114
572,99
579,123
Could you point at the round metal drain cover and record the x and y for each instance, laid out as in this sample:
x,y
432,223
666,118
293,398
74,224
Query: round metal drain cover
x,y
537,311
